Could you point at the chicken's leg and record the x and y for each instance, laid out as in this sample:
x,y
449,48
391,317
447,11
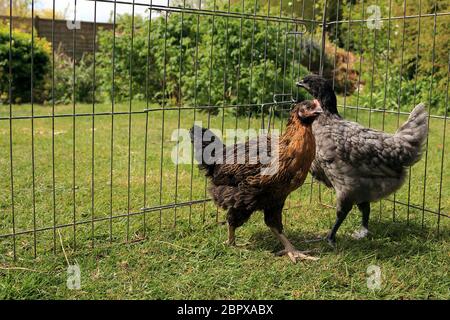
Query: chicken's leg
x,y
231,236
343,208
364,230
235,219
272,218
289,248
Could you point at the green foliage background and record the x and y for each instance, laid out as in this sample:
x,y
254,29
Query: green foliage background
x,y
178,59
188,59
27,65
404,62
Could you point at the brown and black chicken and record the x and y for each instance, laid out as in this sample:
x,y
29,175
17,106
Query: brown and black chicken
x,y
361,164
243,187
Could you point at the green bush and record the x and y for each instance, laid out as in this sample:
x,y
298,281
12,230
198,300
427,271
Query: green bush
x,y
398,53
143,86
189,62
64,89
403,94
22,71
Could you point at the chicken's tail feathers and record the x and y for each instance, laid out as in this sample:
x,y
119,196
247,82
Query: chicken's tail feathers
x,y
206,145
413,134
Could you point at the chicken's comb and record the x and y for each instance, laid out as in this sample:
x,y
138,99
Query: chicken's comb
x,y
316,103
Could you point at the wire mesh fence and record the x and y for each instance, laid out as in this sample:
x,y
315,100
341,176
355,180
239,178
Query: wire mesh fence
x,y
98,168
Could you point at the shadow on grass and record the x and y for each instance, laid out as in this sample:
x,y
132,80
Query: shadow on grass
x,y
387,240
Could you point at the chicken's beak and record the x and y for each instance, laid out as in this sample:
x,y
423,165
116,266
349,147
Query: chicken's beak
x,y
318,111
301,84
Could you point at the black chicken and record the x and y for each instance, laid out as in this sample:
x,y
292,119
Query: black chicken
x,y
242,187
361,164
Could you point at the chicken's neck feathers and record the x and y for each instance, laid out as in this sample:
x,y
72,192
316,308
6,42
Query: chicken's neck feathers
x,y
297,141
295,130
328,102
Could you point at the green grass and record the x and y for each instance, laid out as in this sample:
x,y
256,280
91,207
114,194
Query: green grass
x,y
189,261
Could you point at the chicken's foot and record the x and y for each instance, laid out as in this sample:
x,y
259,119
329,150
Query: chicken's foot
x,y
331,242
360,234
290,250
295,254
364,230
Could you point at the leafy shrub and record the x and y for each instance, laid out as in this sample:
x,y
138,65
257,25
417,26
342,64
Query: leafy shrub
x,y
143,86
189,62
403,94
408,52
29,63
64,89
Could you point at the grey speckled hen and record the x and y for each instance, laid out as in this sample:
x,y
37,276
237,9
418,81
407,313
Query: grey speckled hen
x,y
362,165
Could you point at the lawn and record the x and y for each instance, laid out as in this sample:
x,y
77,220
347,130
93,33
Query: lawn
x,y
126,252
